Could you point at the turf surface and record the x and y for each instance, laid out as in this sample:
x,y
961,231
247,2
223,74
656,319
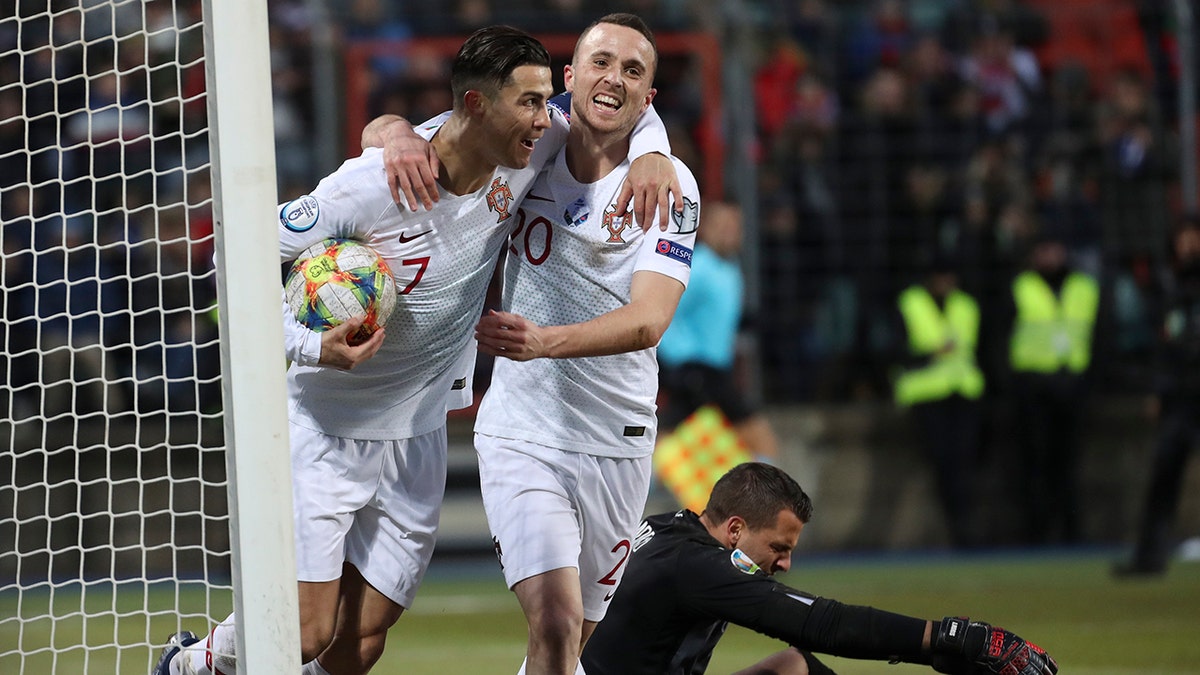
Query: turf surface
x,y
465,623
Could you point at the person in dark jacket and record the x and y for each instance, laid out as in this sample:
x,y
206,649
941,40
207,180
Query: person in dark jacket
x,y
1176,405
690,576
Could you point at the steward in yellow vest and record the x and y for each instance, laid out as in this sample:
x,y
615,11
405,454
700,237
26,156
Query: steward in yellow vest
x,y
1053,330
1050,351
940,384
944,335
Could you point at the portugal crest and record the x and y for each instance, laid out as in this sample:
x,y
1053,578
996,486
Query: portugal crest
x,y
614,224
499,198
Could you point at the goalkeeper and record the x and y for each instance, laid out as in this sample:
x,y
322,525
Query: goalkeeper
x,y
691,575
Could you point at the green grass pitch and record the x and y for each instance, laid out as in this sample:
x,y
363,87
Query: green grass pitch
x,y
464,622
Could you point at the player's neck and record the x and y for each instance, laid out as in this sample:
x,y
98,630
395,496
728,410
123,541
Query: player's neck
x,y
591,155
464,167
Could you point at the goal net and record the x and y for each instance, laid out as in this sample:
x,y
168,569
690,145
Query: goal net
x,y
115,481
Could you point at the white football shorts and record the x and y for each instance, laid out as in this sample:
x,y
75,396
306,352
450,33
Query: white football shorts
x,y
549,509
374,504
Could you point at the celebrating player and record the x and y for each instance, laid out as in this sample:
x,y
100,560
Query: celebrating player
x,y
689,576
564,442
368,421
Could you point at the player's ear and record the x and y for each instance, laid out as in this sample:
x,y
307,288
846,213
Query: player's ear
x,y
475,101
649,99
735,527
568,78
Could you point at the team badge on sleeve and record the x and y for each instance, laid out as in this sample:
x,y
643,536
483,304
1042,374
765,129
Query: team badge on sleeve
x,y
675,251
687,221
299,215
743,562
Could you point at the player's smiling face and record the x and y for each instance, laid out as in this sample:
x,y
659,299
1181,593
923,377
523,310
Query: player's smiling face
x,y
610,78
771,547
517,116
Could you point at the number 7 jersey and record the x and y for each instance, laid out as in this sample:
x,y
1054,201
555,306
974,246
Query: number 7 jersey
x,y
442,262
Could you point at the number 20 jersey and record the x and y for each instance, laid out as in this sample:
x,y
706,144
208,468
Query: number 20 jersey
x,y
570,260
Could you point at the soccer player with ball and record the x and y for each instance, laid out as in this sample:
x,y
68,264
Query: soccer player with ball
x,y
368,418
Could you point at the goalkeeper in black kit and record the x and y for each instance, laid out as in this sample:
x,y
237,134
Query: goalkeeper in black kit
x,y
689,576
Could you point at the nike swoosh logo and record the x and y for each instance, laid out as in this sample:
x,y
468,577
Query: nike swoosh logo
x,y
405,239
608,597
537,198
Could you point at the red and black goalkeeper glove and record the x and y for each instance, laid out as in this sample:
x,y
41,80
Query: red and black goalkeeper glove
x,y
965,647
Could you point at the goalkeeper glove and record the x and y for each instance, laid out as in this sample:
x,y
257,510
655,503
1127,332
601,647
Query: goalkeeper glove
x,y
966,647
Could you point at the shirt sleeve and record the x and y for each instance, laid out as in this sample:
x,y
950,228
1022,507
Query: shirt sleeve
x,y
714,586
671,252
650,135
302,346
346,203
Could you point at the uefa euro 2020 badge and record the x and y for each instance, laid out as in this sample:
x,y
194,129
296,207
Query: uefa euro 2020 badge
x,y
743,562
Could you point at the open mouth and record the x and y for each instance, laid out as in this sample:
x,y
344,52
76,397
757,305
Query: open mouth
x,y
607,102
528,143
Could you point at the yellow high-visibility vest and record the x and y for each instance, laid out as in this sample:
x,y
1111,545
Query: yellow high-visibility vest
x,y
1053,332
930,331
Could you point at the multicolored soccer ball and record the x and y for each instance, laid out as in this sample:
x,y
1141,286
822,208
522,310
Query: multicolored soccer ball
x,y
337,279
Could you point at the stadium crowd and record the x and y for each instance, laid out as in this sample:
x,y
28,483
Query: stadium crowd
x,y
888,133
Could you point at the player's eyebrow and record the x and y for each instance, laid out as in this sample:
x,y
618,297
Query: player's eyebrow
x,y
604,53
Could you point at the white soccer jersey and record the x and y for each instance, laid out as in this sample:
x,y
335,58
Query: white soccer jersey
x,y
572,260
442,261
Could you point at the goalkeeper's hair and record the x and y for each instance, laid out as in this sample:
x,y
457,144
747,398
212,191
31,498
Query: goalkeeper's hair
x,y
486,61
757,492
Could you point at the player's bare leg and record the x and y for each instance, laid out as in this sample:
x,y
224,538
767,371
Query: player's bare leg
x,y
553,606
363,618
318,616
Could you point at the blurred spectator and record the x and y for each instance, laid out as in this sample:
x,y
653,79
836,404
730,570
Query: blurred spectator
x,y
77,306
1007,75
290,90
875,144
1054,315
775,83
938,381
877,40
1175,406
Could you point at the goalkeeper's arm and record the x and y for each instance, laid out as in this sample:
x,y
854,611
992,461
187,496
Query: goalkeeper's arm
x,y
952,645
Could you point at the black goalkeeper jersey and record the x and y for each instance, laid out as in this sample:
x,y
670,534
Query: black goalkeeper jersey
x,y
679,593
682,589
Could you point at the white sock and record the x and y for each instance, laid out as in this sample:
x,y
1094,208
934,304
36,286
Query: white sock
x,y
313,668
223,645
195,660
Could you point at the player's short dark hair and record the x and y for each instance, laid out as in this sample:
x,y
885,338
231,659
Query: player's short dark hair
x,y
629,21
757,492
486,61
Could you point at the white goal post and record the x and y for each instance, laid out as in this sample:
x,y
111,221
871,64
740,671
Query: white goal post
x,y
144,472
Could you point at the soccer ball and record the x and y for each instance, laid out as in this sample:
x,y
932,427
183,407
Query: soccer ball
x,y
336,279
